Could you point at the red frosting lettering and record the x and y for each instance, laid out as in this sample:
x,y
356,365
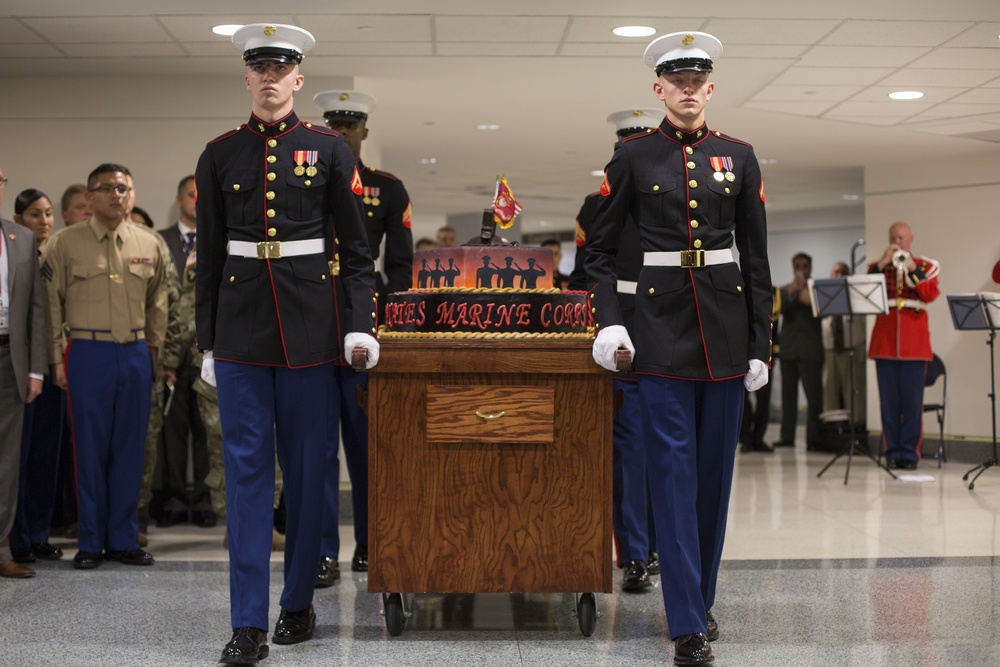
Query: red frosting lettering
x,y
544,315
421,315
523,314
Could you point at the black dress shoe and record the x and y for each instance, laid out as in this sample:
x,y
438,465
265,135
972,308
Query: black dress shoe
x,y
893,464
204,518
294,626
693,650
784,443
327,572
86,560
247,646
23,556
130,557
46,551
746,448
713,627
653,564
635,577
168,519
762,446
360,561
907,464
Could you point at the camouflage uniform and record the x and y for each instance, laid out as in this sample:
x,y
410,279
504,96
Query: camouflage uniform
x,y
173,287
208,400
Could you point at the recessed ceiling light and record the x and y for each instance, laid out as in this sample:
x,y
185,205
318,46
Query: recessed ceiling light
x,y
634,31
852,197
487,126
906,95
226,30
428,160
597,172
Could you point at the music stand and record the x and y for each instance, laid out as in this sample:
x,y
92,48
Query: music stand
x,y
854,295
972,312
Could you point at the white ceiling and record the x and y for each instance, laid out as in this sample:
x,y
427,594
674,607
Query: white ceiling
x,y
806,82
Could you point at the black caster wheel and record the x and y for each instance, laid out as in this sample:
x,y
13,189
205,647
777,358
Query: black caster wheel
x,y
394,618
586,613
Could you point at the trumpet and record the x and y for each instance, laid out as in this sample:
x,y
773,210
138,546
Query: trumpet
x,y
900,259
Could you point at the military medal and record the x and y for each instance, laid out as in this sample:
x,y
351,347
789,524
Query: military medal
x,y
375,199
308,157
310,171
367,199
299,157
730,176
723,167
718,176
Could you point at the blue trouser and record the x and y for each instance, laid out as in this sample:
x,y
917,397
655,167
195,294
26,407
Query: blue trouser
x,y
349,424
256,404
901,397
691,429
41,440
110,385
630,492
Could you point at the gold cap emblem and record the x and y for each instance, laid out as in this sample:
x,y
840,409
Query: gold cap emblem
x,y
344,96
637,113
269,30
688,38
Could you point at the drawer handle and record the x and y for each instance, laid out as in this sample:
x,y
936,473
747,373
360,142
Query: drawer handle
x,y
496,416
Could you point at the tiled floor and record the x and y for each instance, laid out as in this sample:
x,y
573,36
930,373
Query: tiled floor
x,y
875,573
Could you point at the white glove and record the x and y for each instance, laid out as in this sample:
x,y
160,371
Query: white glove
x,y
608,340
355,339
756,377
208,368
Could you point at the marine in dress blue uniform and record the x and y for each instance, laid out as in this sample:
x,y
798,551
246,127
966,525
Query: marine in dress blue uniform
x,y
387,210
273,195
635,534
702,321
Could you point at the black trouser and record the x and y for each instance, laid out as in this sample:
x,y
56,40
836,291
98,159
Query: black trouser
x,y
811,375
183,418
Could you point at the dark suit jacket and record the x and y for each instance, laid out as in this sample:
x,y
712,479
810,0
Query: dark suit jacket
x,y
175,241
686,190
27,305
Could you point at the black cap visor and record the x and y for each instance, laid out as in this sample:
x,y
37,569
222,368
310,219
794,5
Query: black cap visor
x,y
684,65
344,116
272,54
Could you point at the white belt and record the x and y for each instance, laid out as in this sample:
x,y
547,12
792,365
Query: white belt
x,y
908,303
688,259
276,249
627,286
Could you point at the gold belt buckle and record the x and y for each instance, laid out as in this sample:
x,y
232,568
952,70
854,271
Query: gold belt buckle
x,y
269,250
900,304
692,259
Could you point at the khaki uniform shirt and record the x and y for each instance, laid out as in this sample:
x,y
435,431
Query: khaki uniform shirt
x,y
78,268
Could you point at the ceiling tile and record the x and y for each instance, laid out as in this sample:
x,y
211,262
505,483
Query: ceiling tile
x,y
13,31
374,49
500,29
205,49
867,120
481,50
861,56
199,28
980,96
981,34
816,108
368,27
955,112
833,76
889,108
748,51
28,51
912,77
895,33
122,50
598,29
769,31
604,50
805,93
963,58
932,95
110,29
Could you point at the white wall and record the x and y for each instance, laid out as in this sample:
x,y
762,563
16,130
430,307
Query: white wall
x,y
951,205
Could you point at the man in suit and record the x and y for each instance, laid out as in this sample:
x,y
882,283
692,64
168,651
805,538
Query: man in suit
x,y
702,321
22,365
387,219
267,322
183,418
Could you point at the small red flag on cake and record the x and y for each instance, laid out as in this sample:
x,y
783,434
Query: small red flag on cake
x,y
505,207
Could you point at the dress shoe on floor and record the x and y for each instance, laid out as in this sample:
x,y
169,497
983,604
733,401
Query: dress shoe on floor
x,y
23,556
247,646
86,560
294,626
12,570
130,557
45,551
360,561
784,443
635,576
653,564
168,519
204,518
693,650
762,446
327,573
713,627
746,448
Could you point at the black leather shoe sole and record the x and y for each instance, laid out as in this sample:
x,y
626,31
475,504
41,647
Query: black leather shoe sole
x,y
131,557
85,560
46,551
247,647
262,653
291,628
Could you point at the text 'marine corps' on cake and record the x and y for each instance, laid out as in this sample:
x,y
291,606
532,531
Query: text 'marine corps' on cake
x,y
486,291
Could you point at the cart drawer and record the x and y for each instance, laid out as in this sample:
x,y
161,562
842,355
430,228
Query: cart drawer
x,y
471,413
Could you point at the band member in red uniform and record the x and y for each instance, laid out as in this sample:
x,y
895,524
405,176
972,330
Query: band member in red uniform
x,y
702,321
901,345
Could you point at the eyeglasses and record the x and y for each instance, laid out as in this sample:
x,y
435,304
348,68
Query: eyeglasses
x,y
3,181
120,190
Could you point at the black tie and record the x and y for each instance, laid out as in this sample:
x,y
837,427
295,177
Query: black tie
x,y
188,243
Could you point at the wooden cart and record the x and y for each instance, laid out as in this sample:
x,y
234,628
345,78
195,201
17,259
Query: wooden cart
x,y
489,471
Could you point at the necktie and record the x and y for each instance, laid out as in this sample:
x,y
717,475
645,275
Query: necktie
x,y
120,323
188,243
838,333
